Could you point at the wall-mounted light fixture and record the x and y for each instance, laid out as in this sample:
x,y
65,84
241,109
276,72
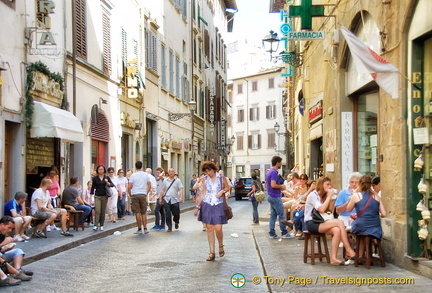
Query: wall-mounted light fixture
x,y
271,43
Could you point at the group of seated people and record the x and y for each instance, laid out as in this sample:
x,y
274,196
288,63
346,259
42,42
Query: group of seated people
x,y
361,198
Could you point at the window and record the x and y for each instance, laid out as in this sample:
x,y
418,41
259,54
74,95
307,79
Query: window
x,y
124,48
151,53
271,83
81,29
367,134
240,88
106,26
254,113
239,139
163,68
254,141
171,72
271,111
240,115
271,139
255,86
178,80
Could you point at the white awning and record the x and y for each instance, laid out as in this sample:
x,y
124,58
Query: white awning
x,y
49,121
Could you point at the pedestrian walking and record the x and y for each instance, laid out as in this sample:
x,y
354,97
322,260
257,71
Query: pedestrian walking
x,y
256,186
159,209
151,196
99,182
112,200
122,185
210,207
138,187
191,185
171,197
274,188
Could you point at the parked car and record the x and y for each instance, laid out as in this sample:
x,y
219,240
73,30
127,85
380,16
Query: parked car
x,y
242,187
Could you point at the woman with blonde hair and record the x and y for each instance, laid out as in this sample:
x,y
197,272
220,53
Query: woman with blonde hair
x,y
210,206
323,199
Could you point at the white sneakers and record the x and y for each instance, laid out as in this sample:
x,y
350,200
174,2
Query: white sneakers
x,y
18,238
52,227
101,228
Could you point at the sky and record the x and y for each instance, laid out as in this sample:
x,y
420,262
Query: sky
x,y
253,21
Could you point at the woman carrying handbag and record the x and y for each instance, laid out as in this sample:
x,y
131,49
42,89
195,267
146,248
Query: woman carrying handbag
x,y
211,208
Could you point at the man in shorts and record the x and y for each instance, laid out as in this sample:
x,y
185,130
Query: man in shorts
x,y
139,186
15,208
10,254
42,209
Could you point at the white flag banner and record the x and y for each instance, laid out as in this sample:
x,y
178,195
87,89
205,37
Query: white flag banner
x,y
368,61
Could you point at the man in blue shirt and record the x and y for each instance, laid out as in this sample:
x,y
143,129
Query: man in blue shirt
x,y
274,198
15,208
343,198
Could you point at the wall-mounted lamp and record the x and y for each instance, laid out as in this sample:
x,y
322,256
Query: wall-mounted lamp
x,y
102,101
277,128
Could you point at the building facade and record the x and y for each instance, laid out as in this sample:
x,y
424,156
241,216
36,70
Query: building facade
x,y
257,106
87,83
354,125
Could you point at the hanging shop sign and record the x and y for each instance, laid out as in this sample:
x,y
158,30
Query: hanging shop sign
x,y
212,115
176,145
223,139
315,113
317,35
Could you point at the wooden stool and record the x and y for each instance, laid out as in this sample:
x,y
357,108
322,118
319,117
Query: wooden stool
x,y
352,241
309,237
367,241
76,216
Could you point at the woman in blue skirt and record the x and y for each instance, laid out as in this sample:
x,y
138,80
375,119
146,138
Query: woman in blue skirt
x,y
210,206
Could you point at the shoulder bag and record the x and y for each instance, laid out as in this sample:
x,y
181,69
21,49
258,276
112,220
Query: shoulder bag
x,y
259,195
172,182
356,215
227,209
108,190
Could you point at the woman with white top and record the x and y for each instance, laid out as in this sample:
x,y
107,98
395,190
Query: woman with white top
x,y
210,206
322,200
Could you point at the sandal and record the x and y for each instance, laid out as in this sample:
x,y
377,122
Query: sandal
x,y
211,257
221,251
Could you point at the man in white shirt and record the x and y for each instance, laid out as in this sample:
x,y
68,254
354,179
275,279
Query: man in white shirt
x,y
171,196
139,186
42,209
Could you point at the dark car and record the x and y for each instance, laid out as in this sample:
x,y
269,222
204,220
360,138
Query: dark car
x,y
242,187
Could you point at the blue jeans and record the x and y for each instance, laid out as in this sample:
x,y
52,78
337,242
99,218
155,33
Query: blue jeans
x,y
86,209
276,209
121,206
255,211
174,209
159,215
299,223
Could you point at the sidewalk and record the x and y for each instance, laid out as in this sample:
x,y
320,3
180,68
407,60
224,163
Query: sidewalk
x,y
36,249
283,259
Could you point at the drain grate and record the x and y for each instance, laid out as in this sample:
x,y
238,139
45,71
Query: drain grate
x,y
163,264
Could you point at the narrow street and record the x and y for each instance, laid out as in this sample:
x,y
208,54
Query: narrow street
x,y
175,262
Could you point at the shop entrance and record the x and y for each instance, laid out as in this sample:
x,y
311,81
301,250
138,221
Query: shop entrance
x,y
316,158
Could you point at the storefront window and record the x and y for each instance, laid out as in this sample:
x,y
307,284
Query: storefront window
x,y
367,133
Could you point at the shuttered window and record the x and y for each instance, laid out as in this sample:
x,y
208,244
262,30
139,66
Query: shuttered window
x,y
124,48
100,130
239,142
81,29
106,26
271,140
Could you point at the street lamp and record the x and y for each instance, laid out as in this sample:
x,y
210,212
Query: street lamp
x,y
277,128
177,116
271,43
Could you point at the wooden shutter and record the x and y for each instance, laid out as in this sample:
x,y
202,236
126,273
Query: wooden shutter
x,y
106,26
100,130
259,140
267,112
249,141
81,29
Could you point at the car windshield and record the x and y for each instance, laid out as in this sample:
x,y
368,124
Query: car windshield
x,y
245,181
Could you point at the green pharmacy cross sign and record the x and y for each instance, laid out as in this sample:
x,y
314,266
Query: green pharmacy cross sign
x,y
306,11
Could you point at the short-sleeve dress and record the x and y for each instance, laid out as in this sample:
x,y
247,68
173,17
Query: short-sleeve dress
x,y
212,212
369,221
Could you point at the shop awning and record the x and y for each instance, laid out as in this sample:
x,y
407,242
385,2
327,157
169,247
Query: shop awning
x,y
49,121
